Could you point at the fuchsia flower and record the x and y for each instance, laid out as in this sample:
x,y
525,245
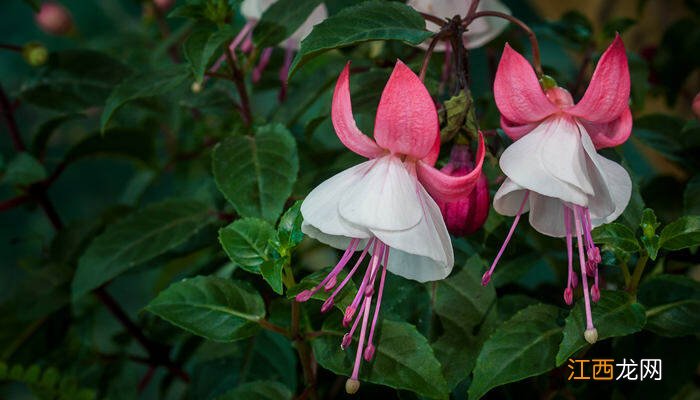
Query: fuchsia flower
x,y
553,170
54,19
465,216
385,206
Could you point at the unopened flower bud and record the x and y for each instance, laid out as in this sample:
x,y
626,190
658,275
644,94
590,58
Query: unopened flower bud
x,y
368,354
591,335
54,19
196,87
35,54
352,386
595,293
467,215
568,296
696,106
547,82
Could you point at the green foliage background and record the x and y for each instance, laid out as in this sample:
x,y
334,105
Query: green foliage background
x,y
150,233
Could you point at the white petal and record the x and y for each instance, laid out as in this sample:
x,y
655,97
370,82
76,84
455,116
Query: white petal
x,y
612,185
423,252
509,197
254,9
317,15
549,161
337,241
547,215
320,208
384,198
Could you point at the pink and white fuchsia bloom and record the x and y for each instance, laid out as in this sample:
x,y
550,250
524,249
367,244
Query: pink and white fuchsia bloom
x,y
553,170
385,206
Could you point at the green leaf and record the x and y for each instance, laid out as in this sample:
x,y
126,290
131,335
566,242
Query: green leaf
x,y
673,305
370,20
616,314
403,358
215,308
246,241
74,80
681,234
24,170
134,144
147,84
204,45
342,299
281,20
289,228
650,239
256,173
456,108
47,128
617,236
463,306
258,390
137,238
271,271
523,346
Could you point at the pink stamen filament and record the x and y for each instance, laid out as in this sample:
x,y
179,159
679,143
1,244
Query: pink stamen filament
x,y
377,251
352,271
582,261
264,60
305,295
284,70
569,244
368,357
361,342
487,276
244,32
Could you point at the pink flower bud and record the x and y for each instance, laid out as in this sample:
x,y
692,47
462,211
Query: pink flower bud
x,y
595,293
568,296
696,106
465,216
54,19
163,5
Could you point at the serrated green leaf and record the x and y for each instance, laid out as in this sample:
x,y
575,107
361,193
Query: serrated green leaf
x,y
256,173
146,84
616,314
246,240
271,271
463,306
523,346
403,358
24,170
681,234
617,236
289,228
370,20
258,390
137,238
673,305
215,308
281,20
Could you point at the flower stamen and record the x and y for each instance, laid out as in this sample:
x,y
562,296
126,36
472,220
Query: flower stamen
x,y
487,276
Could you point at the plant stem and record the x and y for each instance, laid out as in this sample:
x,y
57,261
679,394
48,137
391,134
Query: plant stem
x,y
536,61
238,80
9,115
11,47
637,274
273,327
625,273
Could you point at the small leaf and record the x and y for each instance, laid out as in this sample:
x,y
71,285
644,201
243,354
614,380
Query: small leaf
x,y
681,234
455,114
24,170
403,358
137,238
281,20
203,46
650,239
271,271
147,84
258,390
617,236
256,174
289,228
215,308
245,241
523,346
370,20
616,314
673,305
